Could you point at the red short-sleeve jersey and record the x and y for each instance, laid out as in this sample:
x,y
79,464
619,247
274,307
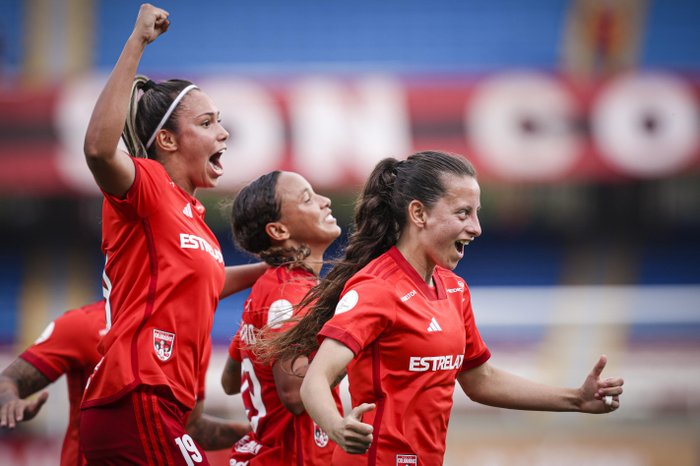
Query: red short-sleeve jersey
x,y
69,346
410,341
273,440
164,272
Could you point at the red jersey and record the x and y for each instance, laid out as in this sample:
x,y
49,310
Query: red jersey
x,y
277,437
410,341
69,346
163,275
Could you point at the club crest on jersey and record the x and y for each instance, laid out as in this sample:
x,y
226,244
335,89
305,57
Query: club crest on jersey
x,y
403,460
320,436
163,343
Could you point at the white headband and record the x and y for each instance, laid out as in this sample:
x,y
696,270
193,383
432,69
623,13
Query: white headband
x,y
169,112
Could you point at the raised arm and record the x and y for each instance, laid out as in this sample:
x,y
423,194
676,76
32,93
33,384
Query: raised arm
x,y
113,169
495,387
18,381
349,432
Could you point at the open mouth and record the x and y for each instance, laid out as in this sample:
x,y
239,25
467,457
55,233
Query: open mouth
x,y
460,244
215,162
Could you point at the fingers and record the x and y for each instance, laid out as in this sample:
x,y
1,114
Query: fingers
x,y
11,414
600,365
357,436
34,406
609,387
358,411
43,396
151,22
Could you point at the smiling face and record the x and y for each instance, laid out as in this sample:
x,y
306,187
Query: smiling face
x,y
200,140
305,214
452,222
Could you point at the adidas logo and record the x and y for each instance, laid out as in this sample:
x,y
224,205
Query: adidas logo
x,y
187,210
434,326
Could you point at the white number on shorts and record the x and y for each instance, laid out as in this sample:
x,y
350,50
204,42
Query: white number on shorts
x,y
189,450
254,391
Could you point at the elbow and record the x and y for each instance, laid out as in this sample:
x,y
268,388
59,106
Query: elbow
x,y
96,150
93,153
294,406
291,399
230,387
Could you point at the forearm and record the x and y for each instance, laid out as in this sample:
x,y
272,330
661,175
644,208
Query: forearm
x,y
240,277
22,379
288,376
108,116
231,377
214,433
319,403
8,389
499,388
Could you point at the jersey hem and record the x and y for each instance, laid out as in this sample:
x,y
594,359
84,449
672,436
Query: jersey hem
x,y
477,361
342,336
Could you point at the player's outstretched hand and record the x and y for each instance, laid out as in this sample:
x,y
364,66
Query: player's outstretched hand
x,y
354,436
17,410
600,395
150,23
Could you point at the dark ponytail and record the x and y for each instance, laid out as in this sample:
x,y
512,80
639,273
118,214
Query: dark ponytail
x,y
145,113
380,216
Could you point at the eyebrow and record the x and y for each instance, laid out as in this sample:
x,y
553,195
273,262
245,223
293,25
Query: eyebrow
x,y
214,114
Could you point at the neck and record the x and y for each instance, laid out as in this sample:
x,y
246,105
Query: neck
x,y
414,256
315,261
176,173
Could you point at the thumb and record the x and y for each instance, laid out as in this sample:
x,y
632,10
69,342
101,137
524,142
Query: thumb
x,y
41,399
600,365
358,411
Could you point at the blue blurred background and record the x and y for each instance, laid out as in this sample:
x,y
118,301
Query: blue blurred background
x,y
581,117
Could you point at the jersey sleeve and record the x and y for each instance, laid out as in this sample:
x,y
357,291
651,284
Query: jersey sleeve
x,y
364,311
475,352
144,195
62,345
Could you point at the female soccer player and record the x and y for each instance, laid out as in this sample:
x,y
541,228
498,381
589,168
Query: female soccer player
x,y
164,271
279,218
402,323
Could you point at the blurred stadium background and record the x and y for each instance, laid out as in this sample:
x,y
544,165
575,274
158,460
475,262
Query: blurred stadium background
x,y
582,118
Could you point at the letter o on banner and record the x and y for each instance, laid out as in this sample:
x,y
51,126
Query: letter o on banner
x,y
646,125
521,126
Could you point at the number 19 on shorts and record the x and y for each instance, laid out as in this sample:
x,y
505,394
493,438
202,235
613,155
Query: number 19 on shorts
x,y
189,450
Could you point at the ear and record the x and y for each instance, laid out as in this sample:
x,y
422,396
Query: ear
x,y
277,231
166,140
417,213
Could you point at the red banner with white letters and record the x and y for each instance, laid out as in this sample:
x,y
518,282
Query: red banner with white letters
x,y
521,127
